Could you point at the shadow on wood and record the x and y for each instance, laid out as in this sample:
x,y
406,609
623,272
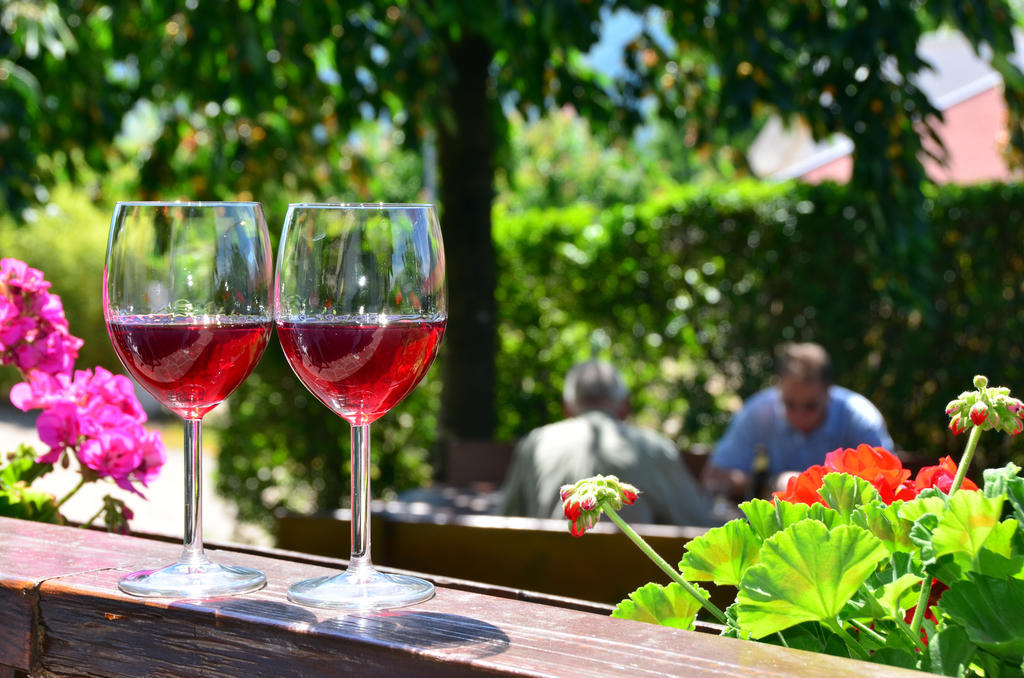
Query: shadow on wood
x,y
525,553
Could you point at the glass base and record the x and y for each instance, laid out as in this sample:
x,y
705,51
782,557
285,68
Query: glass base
x,y
184,579
366,590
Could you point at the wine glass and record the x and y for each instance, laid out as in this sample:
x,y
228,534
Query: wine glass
x,y
360,308
186,298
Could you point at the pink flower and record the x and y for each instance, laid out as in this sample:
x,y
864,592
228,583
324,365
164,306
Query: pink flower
x,y
154,456
96,415
59,428
114,453
33,329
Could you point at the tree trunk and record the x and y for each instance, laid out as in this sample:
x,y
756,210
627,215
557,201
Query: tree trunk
x,y
466,158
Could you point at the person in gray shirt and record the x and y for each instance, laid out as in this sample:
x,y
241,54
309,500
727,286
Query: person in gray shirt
x,y
593,440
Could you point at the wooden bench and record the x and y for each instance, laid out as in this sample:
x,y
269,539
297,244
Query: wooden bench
x,y
62,614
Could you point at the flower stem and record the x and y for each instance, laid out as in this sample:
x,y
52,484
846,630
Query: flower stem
x,y
868,631
922,602
965,460
851,642
666,568
70,494
96,515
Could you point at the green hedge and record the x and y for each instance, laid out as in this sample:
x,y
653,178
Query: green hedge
x,y
67,241
688,293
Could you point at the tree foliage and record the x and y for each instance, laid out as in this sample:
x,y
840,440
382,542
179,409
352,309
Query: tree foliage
x,y
252,98
843,67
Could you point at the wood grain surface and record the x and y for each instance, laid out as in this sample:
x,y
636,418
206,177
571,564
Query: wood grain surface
x,y
62,614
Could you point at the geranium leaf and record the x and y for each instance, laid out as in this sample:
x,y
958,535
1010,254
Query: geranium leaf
x,y
769,517
891,656
824,514
884,522
900,595
844,492
989,609
22,467
968,521
949,651
1005,482
664,605
28,503
812,638
722,554
807,572
922,506
998,565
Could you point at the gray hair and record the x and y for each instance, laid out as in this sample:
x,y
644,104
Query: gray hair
x,y
594,385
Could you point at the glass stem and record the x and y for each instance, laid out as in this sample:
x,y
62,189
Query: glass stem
x,y
193,552
360,518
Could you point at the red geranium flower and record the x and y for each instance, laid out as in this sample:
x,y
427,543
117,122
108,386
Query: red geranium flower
x,y
803,488
878,466
941,477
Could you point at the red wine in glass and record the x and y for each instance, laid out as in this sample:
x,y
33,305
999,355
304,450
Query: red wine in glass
x,y
360,306
187,301
189,365
360,370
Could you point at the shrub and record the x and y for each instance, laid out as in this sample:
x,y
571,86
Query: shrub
x,y
67,240
689,293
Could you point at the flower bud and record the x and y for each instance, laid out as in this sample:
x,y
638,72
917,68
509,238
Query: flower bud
x,y
565,492
980,381
979,412
953,407
588,503
956,425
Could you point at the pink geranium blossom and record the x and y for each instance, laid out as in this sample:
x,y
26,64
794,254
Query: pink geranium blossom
x,y
92,414
34,333
96,415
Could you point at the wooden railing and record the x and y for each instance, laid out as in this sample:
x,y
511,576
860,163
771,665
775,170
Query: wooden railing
x,y
62,614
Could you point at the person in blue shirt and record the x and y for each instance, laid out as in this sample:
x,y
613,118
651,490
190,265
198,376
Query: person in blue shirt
x,y
792,425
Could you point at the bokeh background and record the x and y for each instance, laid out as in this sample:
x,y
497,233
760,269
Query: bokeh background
x,y
674,188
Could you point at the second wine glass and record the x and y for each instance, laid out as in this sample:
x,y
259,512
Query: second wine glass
x,y
360,308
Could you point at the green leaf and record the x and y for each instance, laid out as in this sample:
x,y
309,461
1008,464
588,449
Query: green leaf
x,y
807,572
898,596
769,517
722,554
21,501
916,508
990,611
812,638
891,656
830,517
968,521
884,522
949,651
664,605
1005,482
844,492
21,466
